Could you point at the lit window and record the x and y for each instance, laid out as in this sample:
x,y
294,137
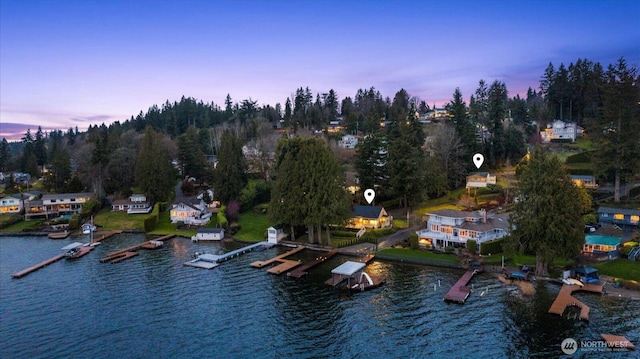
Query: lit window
x,y
618,216
635,219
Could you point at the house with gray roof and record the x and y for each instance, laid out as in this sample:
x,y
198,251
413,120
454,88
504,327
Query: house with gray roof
x,y
369,217
447,227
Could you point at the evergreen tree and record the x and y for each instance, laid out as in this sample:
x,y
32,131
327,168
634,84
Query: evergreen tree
x,y
465,129
371,163
154,172
229,176
546,219
39,147
5,155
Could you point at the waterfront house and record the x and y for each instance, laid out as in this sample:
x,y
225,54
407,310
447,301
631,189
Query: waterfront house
x,y
601,247
625,218
53,205
559,130
137,203
480,179
585,274
348,141
275,234
588,182
11,204
369,217
447,227
208,234
190,210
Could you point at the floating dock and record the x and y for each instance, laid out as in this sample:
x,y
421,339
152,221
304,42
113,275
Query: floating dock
x,y
285,264
617,341
302,270
209,261
102,236
34,268
565,299
460,291
126,253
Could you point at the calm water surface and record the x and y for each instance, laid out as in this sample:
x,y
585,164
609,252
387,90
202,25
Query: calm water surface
x,y
153,306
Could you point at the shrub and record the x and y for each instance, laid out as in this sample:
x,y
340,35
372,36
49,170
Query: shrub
x,y
582,157
449,249
491,247
74,222
150,223
413,241
234,228
472,246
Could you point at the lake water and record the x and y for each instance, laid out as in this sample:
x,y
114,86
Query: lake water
x,y
153,306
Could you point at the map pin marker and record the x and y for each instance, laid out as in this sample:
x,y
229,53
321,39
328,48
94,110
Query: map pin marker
x,y
369,195
478,159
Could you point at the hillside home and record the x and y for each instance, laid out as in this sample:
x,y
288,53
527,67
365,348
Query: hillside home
x,y
559,130
53,205
588,182
369,217
137,203
480,179
208,234
190,210
348,141
625,218
447,227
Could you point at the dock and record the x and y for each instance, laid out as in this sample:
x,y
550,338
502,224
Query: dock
x,y
34,268
460,290
209,261
126,253
302,270
565,299
285,264
617,341
102,236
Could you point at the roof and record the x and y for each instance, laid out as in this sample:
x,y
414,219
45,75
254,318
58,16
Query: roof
x,y
65,195
598,239
348,268
635,212
497,222
585,270
452,213
582,177
482,174
210,230
367,211
71,246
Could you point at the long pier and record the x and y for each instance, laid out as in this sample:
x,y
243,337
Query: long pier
x,y
566,299
302,270
34,268
285,264
209,261
460,290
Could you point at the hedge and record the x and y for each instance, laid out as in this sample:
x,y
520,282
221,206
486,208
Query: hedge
x,y
582,157
472,246
413,241
491,247
150,223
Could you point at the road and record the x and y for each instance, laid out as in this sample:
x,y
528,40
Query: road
x,y
391,240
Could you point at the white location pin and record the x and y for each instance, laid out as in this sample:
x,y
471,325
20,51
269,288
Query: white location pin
x,y
369,195
478,159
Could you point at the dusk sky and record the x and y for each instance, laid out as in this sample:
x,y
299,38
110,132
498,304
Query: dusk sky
x,y
74,63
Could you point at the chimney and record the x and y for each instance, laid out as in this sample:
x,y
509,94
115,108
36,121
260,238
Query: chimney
x,y
483,215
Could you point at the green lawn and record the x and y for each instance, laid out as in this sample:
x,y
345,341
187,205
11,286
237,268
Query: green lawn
x,y
118,220
253,226
23,226
620,268
417,255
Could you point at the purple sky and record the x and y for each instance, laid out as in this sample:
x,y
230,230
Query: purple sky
x,y
74,63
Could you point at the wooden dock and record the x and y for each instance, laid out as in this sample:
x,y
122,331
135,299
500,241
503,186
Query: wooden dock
x,y
565,299
102,236
285,264
124,253
302,270
209,261
618,341
34,268
460,290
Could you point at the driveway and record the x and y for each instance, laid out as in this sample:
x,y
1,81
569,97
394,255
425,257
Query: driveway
x,y
391,240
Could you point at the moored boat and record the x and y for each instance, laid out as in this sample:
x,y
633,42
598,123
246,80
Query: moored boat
x,y
59,235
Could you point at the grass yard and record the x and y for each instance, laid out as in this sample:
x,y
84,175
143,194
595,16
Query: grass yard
x,y
117,220
417,256
253,226
22,225
620,268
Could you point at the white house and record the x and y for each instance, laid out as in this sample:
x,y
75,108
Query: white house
x,y
348,141
560,130
137,203
480,179
208,234
10,204
190,211
447,227
275,234
57,204
369,217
